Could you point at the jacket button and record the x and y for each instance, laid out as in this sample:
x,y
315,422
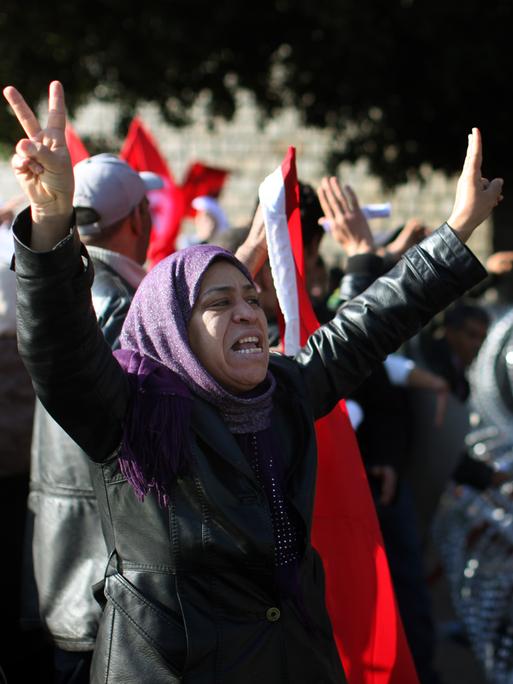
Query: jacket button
x,y
273,614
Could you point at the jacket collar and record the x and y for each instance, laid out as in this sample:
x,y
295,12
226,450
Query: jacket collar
x,y
208,424
125,267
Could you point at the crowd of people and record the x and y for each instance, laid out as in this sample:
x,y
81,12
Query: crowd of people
x,y
157,495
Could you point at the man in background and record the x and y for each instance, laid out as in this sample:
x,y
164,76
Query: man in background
x,y
438,455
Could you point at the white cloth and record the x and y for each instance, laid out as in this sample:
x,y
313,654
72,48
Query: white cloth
x,y
355,413
398,369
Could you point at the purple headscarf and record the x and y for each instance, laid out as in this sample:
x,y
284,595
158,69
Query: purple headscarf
x,y
156,354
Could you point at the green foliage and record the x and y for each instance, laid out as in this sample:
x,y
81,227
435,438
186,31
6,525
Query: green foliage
x,y
399,82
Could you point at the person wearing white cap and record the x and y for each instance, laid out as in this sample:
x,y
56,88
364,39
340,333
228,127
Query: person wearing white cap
x,y
210,220
68,550
111,206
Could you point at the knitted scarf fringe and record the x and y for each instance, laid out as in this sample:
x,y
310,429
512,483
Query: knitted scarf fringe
x,y
155,445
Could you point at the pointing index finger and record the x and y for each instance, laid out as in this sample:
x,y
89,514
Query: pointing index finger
x,y
56,106
23,113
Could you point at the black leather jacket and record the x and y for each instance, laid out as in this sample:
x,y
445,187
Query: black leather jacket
x,y
189,591
63,511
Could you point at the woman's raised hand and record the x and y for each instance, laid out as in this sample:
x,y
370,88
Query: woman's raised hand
x,y
475,196
43,167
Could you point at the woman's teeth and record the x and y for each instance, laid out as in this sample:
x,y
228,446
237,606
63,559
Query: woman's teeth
x,y
247,345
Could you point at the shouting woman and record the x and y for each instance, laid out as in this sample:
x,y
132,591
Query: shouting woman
x,y
202,444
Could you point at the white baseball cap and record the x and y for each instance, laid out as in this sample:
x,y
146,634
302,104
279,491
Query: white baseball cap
x,y
110,188
212,207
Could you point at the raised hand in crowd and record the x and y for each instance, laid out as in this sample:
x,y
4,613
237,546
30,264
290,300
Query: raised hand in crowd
x,y
43,167
500,263
413,232
253,251
347,221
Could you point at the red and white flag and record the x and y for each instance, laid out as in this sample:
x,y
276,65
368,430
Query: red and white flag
x,y
359,593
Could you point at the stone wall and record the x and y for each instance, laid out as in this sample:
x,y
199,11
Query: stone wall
x,y
251,152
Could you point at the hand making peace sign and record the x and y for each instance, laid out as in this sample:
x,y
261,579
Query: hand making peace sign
x,y
43,167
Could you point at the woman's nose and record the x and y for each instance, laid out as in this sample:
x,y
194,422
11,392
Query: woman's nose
x,y
244,312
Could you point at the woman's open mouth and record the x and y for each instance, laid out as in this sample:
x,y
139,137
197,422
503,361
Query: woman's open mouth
x,y
247,345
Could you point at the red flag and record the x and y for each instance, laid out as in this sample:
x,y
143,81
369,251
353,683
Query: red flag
x,y
202,180
170,205
166,205
76,147
359,593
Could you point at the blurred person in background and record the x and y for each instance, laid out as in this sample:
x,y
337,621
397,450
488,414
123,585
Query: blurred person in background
x,y
21,656
437,455
210,223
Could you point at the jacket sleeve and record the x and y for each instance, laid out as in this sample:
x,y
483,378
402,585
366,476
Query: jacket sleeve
x,y
361,271
72,368
341,353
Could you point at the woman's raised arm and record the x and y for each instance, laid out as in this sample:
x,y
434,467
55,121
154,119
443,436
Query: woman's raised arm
x,y
340,354
71,365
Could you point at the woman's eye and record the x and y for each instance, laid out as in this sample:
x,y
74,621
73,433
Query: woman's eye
x,y
254,301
